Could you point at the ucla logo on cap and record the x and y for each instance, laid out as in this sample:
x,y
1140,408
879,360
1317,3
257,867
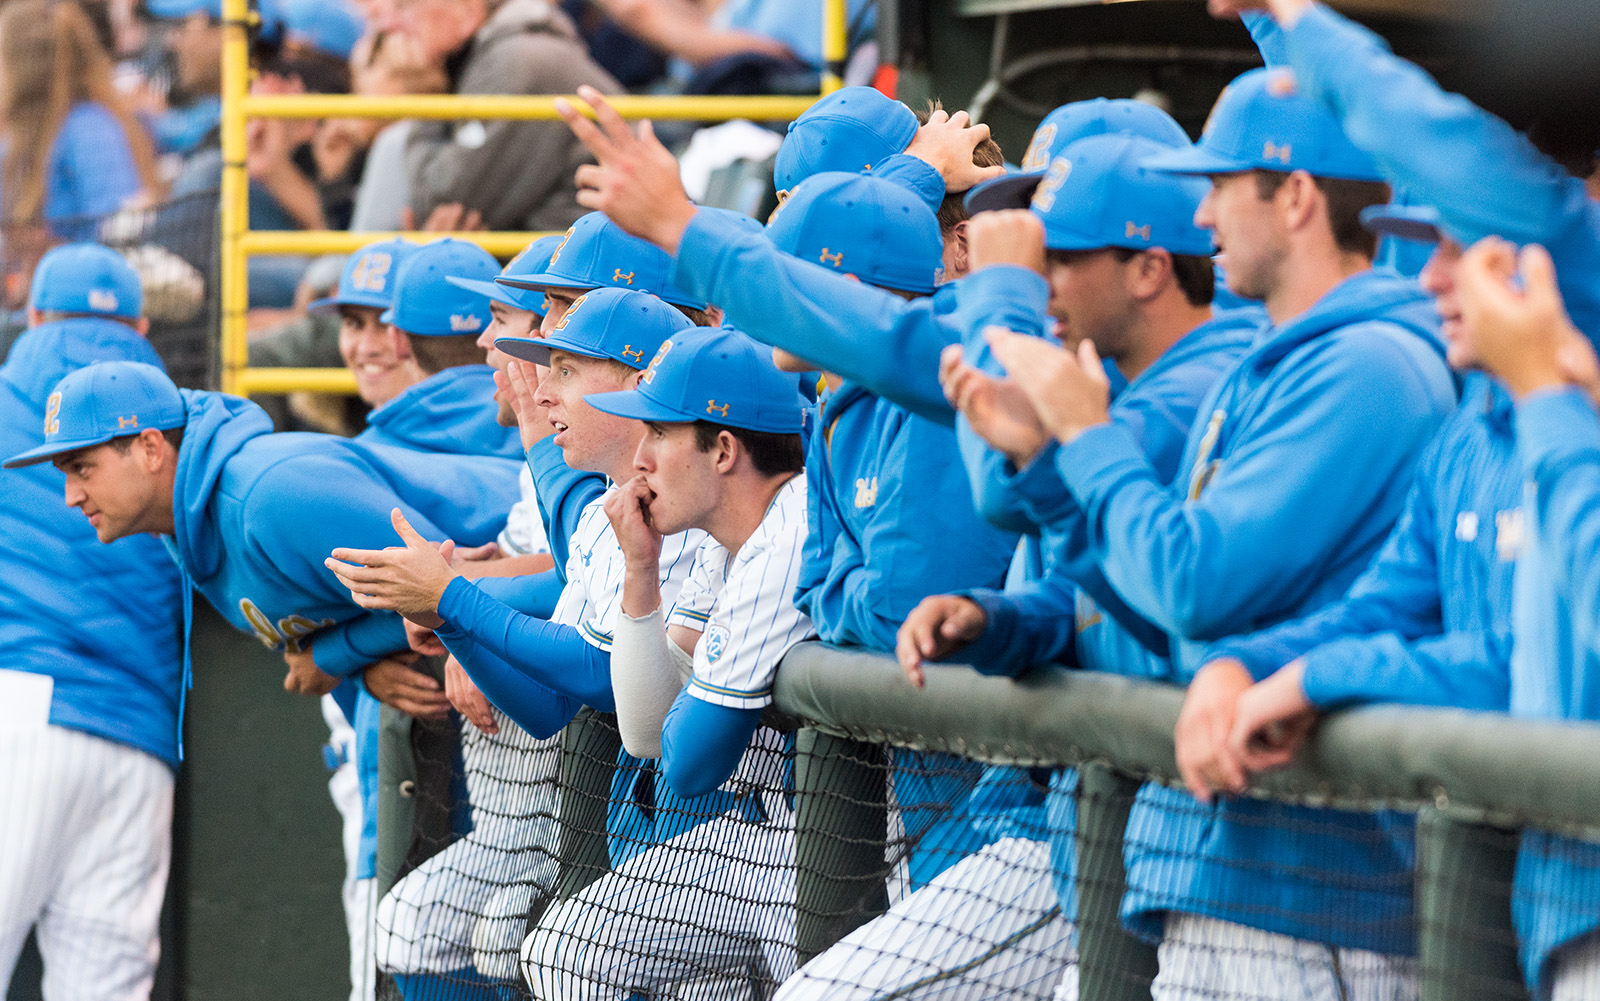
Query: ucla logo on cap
x,y
102,300
371,272
1038,156
465,323
566,317
562,245
661,352
52,415
1045,196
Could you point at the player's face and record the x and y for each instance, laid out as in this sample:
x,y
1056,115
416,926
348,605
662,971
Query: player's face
x,y
506,321
377,354
556,303
1439,278
1245,228
196,47
117,491
589,439
1088,298
683,478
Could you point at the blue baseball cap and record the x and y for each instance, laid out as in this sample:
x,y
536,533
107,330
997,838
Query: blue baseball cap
x,y
1421,223
713,374
272,13
531,260
86,278
851,129
1262,122
1099,193
864,226
604,323
428,304
331,26
1065,126
369,276
110,399
596,253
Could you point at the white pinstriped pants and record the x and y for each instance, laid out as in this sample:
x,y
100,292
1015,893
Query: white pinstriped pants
x,y
1202,959
85,839
1575,970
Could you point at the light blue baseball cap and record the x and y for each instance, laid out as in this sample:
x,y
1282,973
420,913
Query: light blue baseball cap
x,y
1098,193
864,226
1420,223
604,323
714,374
1263,122
596,253
96,403
86,278
428,304
272,13
369,276
531,260
850,130
331,26
1063,127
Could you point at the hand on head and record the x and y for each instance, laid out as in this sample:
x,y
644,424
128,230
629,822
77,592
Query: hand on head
x,y
946,144
635,180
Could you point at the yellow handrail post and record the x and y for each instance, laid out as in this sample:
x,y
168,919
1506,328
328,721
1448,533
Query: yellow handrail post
x,y
835,44
235,194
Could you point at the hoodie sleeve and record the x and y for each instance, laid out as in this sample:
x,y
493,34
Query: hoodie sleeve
x,y
1398,593
346,648
563,493
1032,624
1206,566
869,336
532,594
1558,438
1461,670
915,176
553,655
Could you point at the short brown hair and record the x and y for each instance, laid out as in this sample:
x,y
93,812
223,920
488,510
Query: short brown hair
x,y
1196,276
1346,200
953,210
771,454
174,438
698,317
435,354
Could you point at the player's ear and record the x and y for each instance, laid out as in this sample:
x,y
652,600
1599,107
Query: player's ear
x,y
727,452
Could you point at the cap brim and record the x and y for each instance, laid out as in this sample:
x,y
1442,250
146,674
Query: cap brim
x,y
534,349
1014,192
50,450
1419,223
1193,160
635,405
489,289
335,301
538,283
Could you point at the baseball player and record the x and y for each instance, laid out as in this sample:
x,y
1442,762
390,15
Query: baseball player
x,y
1350,373
381,363
721,453
92,672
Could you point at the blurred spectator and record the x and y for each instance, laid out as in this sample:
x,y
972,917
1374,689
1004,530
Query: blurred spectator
x,y
73,151
515,174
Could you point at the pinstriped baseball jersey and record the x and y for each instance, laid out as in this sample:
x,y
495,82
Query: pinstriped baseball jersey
x,y
752,621
595,569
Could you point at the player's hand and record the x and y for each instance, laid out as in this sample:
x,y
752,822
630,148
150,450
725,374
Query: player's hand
x,y
997,409
471,703
1204,726
1006,236
635,181
1285,12
939,626
946,143
1582,367
424,640
305,677
396,683
1272,719
628,509
408,579
1071,394
475,554
533,421
1518,335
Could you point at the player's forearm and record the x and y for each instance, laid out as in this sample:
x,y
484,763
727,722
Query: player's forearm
x,y
701,744
1468,669
1558,438
537,709
507,566
647,673
641,588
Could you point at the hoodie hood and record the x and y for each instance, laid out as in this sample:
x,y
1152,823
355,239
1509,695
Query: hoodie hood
x,y
451,412
1368,296
44,355
219,426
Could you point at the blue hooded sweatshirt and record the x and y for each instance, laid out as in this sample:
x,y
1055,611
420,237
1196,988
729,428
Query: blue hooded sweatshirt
x,y
1555,663
452,411
1442,150
105,622
1357,382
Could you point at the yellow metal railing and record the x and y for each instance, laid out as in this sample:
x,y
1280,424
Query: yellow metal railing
x,y
239,244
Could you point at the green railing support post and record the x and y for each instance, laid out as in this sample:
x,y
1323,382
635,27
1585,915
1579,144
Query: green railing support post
x,y
841,829
397,796
589,747
1467,949
1113,965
